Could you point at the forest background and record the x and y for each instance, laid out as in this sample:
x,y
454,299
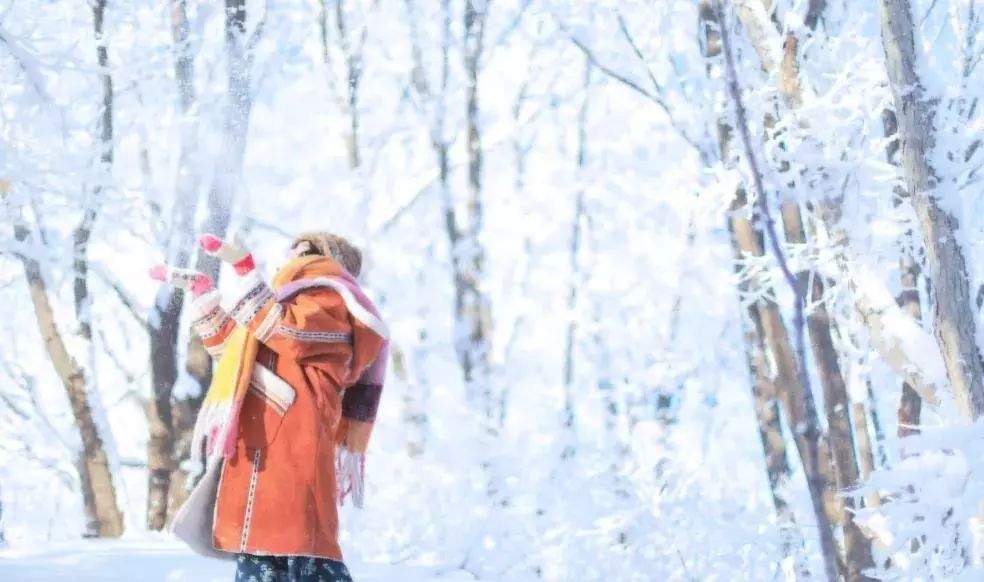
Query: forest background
x,y
679,289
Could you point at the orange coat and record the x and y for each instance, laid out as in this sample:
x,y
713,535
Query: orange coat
x,y
277,493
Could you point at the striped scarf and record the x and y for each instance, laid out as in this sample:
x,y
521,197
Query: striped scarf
x,y
216,427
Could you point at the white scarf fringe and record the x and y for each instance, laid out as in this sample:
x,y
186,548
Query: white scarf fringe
x,y
350,475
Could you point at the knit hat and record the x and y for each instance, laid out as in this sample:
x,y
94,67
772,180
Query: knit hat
x,y
334,246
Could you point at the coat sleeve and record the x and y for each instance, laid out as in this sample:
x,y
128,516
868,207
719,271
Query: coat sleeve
x,y
310,327
213,324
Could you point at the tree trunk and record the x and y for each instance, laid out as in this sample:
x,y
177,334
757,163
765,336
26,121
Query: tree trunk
x,y
473,324
836,402
791,371
575,274
910,404
866,456
472,312
352,53
83,300
767,412
3,538
416,399
164,495
857,548
954,318
801,418
841,437
766,343
103,516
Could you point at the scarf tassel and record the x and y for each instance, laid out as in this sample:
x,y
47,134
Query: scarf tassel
x,y
350,475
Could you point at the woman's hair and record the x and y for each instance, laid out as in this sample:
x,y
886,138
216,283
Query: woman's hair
x,y
334,246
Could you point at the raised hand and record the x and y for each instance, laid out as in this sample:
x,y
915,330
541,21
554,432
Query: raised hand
x,y
187,279
239,258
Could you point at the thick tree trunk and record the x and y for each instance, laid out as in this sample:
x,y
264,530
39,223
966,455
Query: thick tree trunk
x,y
954,318
103,516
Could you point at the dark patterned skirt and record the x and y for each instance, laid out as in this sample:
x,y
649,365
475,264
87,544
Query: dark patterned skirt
x,y
252,568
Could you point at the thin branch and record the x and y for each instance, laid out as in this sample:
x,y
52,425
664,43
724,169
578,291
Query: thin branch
x,y
28,64
125,299
624,28
253,222
408,205
656,97
257,34
511,27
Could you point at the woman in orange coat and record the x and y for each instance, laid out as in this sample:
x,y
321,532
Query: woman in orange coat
x,y
291,406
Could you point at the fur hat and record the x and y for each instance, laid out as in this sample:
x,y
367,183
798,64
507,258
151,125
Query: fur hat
x,y
334,246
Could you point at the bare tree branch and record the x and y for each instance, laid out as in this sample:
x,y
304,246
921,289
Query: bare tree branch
x,y
128,302
656,95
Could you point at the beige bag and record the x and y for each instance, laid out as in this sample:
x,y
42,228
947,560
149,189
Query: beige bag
x,y
193,522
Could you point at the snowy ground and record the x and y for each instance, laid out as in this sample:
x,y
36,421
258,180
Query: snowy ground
x,y
159,560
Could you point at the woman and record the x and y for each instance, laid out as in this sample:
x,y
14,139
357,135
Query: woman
x,y
299,375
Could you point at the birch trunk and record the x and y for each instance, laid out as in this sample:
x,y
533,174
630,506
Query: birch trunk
x,y
866,456
765,396
801,418
910,404
857,548
791,366
954,319
103,516
763,350
841,436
